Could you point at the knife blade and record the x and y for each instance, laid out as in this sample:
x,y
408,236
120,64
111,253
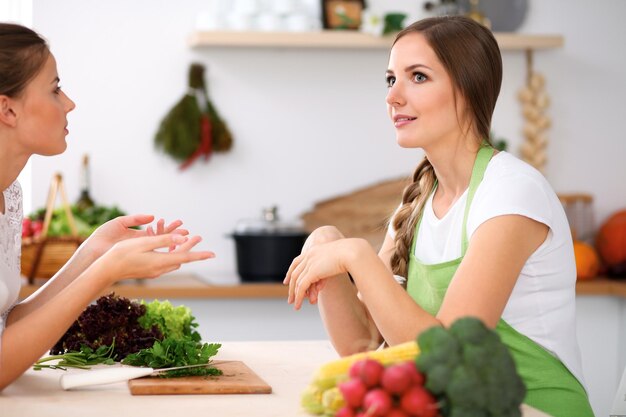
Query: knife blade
x,y
114,374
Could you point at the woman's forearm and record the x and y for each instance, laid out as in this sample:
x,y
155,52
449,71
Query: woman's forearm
x,y
24,341
346,320
77,264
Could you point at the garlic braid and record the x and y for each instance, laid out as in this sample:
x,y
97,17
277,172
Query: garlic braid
x,y
405,220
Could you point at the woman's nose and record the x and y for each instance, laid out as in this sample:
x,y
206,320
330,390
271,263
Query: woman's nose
x,y
70,105
394,98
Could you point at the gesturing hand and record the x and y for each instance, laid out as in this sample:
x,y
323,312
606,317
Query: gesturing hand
x,y
120,228
139,258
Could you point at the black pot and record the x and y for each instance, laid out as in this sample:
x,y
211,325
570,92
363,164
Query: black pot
x,y
266,257
266,247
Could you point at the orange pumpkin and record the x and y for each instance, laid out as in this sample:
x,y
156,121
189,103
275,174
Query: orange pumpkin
x,y
587,260
611,239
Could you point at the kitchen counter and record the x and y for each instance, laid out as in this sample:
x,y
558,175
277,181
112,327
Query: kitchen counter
x,y
286,366
189,286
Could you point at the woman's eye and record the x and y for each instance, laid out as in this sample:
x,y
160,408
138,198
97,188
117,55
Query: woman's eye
x,y
418,77
390,80
57,90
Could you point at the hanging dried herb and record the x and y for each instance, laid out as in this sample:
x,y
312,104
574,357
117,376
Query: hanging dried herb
x,y
193,127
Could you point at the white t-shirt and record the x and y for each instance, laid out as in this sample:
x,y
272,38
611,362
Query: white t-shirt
x,y
10,251
542,304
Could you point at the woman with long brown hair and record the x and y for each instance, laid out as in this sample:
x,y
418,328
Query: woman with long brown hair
x,y
33,121
478,232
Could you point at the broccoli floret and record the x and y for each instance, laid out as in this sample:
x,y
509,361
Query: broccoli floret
x,y
477,356
465,389
438,377
470,330
505,392
437,346
470,370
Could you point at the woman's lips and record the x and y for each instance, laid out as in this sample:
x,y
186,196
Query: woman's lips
x,y
402,120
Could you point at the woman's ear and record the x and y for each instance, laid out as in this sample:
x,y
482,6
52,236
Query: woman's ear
x,y
7,115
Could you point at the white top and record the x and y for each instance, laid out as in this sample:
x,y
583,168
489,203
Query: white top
x,y
542,304
10,250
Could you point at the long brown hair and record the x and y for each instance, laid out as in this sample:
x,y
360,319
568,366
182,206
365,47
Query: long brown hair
x,y
471,57
22,55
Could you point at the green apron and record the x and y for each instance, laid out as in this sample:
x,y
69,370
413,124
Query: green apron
x,y
550,386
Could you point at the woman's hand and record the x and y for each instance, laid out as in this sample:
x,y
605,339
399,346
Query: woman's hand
x,y
119,229
321,235
316,264
139,257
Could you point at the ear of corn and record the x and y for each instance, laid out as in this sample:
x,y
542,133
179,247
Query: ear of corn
x,y
336,369
320,397
311,400
332,400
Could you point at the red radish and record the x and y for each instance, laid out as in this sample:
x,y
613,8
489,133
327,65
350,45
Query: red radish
x,y
369,371
416,376
36,227
26,227
377,402
396,412
345,412
418,402
353,391
397,378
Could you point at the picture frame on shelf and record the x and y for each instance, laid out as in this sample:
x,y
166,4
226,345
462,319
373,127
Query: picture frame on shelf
x,y
342,14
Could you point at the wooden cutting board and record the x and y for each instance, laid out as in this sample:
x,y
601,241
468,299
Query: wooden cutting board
x,y
237,378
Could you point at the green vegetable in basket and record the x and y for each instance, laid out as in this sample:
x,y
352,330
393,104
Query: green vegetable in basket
x,y
87,220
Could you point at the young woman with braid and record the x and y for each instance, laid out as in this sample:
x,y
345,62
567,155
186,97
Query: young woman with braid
x,y
478,233
33,120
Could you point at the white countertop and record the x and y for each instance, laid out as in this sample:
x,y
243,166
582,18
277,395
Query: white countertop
x,y
285,365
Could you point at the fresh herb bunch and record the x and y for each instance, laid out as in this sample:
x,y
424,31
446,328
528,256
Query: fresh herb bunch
x,y
173,352
155,334
172,322
470,371
83,359
112,318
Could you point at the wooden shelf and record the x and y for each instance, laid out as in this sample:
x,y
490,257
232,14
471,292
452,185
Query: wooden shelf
x,y
184,286
188,286
345,40
602,286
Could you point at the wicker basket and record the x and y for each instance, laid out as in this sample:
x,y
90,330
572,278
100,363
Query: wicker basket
x,y
43,256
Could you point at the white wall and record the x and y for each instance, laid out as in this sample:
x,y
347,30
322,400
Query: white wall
x,y
308,125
